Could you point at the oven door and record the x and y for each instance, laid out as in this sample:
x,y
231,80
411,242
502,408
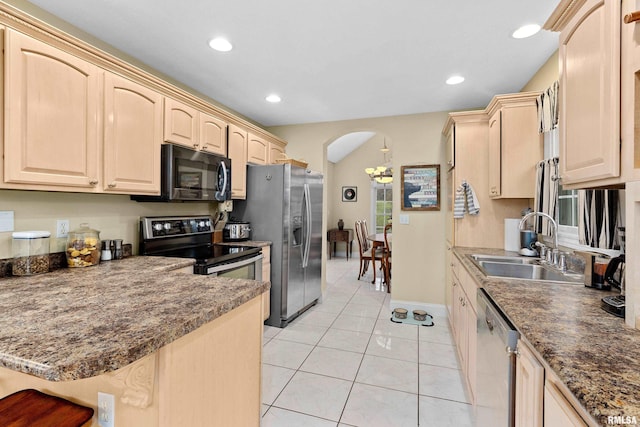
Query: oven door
x,y
243,268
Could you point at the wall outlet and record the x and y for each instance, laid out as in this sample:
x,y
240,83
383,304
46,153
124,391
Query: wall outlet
x,y
227,206
106,410
62,228
404,219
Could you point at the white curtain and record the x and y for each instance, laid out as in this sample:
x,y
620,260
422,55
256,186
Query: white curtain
x,y
546,198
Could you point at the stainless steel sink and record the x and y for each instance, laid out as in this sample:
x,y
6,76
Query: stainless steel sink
x,y
505,259
528,272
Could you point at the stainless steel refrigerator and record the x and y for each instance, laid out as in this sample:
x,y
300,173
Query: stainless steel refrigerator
x,y
284,206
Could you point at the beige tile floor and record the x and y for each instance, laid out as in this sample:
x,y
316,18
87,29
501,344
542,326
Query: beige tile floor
x,y
344,363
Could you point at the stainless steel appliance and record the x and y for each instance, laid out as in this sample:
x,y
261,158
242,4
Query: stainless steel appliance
x,y
614,275
189,175
235,231
191,237
284,206
496,352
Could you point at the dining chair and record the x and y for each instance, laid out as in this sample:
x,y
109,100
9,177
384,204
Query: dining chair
x,y
386,260
367,253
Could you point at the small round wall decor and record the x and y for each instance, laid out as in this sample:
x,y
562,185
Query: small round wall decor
x,y
349,194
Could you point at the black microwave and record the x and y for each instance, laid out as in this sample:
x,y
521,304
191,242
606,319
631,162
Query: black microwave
x,y
189,175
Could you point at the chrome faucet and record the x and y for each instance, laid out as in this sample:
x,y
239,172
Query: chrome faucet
x,y
554,229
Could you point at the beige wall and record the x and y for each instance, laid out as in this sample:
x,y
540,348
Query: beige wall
x,y
350,172
546,75
116,217
418,258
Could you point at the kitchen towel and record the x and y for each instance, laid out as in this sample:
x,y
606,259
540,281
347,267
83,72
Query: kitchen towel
x,y
465,201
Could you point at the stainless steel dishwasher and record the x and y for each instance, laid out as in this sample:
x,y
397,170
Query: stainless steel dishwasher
x,y
496,352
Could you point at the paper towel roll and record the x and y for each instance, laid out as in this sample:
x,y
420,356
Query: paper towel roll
x,y
511,234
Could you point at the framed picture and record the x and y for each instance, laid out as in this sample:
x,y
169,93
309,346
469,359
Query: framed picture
x,y
349,194
420,187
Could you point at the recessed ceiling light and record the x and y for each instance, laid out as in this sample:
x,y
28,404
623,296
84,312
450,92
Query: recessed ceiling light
x,y
526,31
454,80
273,98
220,44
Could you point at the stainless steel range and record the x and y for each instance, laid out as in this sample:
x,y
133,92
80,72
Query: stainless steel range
x,y
191,237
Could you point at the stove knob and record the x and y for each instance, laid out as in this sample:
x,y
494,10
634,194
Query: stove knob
x,y
201,224
167,226
207,223
157,226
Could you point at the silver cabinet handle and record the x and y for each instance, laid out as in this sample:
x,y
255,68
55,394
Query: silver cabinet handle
x,y
93,182
511,351
112,185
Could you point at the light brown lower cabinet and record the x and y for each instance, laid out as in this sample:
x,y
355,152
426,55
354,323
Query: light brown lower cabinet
x,y
529,386
558,412
539,400
463,320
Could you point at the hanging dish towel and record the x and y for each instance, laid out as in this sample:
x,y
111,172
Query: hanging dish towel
x,y
465,201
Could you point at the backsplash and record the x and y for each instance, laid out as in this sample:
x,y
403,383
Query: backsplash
x,y
115,216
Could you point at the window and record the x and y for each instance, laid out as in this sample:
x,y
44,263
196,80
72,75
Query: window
x,y
567,207
382,205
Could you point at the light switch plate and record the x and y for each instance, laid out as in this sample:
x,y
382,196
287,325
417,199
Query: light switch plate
x,y
6,221
404,219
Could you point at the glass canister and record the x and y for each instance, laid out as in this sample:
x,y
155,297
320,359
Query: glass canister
x,y
30,252
83,247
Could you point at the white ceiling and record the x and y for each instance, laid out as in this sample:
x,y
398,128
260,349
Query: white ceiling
x,y
330,59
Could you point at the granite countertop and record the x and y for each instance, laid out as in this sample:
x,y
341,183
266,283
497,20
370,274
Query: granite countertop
x,y
594,353
77,323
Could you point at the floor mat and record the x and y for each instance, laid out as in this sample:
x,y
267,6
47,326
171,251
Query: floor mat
x,y
411,321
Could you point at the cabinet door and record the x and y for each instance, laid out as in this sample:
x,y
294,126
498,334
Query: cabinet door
x,y
529,388
472,329
180,123
558,412
51,116
132,137
495,153
276,152
257,150
237,152
521,149
590,93
213,134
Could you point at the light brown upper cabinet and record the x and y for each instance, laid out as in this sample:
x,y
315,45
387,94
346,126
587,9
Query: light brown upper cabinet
x,y
195,129
257,150
515,146
213,134
276,152
237,152
132,137
589,98
52,110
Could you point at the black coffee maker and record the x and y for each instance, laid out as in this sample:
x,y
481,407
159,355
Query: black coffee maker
x,y
614,275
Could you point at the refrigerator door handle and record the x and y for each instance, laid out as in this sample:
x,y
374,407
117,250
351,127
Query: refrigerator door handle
x,y
307,219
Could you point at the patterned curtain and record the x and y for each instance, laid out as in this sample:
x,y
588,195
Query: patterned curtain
x,y
599,217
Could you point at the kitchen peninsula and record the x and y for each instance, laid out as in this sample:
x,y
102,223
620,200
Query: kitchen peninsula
x,y
173,348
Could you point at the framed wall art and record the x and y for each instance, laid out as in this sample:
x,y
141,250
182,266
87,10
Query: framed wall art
x,y
420,188
349,194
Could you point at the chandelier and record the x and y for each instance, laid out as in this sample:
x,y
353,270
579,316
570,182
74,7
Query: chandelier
x,y
382,174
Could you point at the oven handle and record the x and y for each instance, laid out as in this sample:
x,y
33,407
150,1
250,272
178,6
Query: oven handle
x,y
233,265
